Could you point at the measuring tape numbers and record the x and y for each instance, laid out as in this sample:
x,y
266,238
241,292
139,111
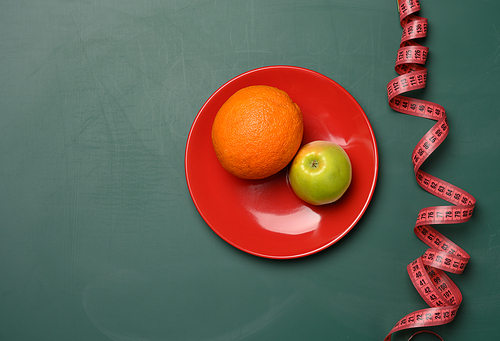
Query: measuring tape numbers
x,y
428,272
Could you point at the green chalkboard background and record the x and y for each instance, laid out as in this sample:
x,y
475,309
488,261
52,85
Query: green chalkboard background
x,y
99,237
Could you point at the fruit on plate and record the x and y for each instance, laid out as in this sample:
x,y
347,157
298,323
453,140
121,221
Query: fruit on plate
x,y
320,173
257,132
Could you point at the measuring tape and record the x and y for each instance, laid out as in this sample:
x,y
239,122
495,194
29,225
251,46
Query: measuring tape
x,y
427,273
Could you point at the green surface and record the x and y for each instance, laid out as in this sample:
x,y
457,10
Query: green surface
x,y
99,238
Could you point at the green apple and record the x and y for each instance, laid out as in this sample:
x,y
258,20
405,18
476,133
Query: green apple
x,y
320,173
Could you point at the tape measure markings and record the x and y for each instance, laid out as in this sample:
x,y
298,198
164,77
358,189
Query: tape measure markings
x,y
427,272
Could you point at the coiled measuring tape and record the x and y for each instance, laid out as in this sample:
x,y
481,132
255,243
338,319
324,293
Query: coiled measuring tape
x,y
427,273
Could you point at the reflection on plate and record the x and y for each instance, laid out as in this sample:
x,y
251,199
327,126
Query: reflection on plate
x,y
264,217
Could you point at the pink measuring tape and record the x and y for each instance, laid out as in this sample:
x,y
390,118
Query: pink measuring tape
x,y
427,273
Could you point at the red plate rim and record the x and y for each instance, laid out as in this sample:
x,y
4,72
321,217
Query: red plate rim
x,y
195,187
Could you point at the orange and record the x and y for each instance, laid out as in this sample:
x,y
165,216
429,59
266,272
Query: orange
x,y
257,132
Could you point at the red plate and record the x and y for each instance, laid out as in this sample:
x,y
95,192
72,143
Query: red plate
x,y
264,217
